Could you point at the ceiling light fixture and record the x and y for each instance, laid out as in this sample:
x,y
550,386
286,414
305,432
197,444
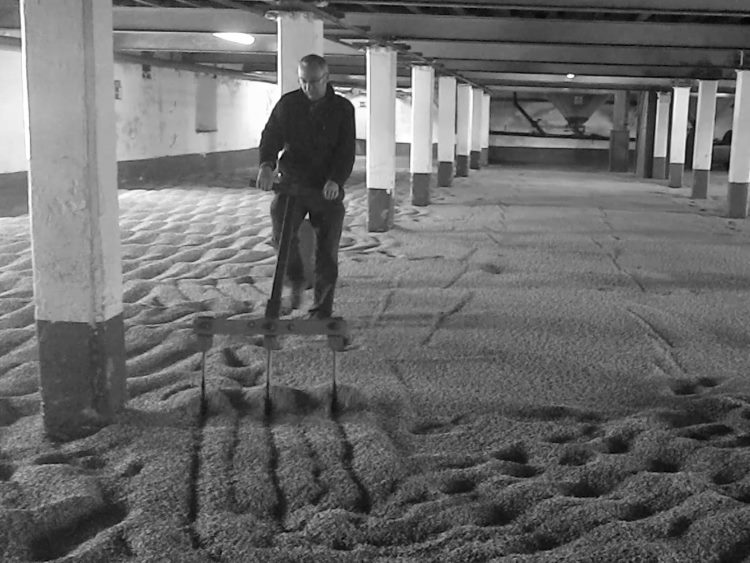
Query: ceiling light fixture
x,y
242,38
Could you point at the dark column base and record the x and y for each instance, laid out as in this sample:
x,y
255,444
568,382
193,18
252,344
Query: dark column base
x,y
660,167
82,375
462,165
675,174
484,156
700,184
379,210
420,188
474,160
445,174
619,152
737,200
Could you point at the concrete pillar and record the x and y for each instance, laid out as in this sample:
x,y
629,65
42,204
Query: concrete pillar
x,y
644,159
661,135
381,137
422,92
75,239
704,137
446,129
739,163
463,129
298,34
619,138
484,158
678,134
476,129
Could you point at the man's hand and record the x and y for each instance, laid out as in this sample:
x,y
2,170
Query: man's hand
x,y
330,190
266,177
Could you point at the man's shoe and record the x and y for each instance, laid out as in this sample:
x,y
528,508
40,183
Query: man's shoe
x,y
318,315
298,293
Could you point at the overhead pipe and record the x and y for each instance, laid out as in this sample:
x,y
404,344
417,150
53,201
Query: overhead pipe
x,y
530,119
14,43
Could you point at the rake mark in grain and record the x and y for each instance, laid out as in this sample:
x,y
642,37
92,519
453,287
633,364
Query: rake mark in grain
x,y
442,315
195,467
364,501
316,469
279,509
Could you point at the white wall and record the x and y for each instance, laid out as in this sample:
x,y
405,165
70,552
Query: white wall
x,y
403,117
12,142
155,117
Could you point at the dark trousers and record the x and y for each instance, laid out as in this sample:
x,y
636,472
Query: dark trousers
x,y
327,220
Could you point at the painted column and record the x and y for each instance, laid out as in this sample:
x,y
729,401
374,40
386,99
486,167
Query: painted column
x,y
704,137
644,160
619,137
299,34
381,137
476,129
678,135
739,163
422,92
484,158
661,135
463,129
446,129
75,239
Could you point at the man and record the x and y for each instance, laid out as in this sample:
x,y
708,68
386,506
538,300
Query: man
x,y
313,129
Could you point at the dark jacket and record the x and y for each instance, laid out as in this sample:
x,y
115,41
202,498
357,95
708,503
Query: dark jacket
x,y
318,139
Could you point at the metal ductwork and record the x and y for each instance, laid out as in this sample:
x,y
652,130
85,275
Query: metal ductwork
x,y
577,108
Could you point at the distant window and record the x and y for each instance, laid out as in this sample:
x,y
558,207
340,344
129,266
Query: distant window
x,y
205,104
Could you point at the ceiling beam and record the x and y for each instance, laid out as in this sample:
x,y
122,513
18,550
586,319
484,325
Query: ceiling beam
x,y
176,41
616,55
480,72
242,6
147,3
180,65
189,19
480,69
406,55
10,43
10,14
190,4
678,7
533,30
187,41
558,80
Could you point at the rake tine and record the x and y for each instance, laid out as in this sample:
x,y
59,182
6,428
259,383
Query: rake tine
x,y
203,383
334,392
269,366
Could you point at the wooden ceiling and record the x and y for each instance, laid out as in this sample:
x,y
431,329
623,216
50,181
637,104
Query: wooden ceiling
x,y
498,45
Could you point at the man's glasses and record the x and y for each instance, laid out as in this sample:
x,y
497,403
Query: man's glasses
x,y
311,82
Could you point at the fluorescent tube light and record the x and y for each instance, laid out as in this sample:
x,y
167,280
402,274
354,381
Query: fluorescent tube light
x,y
242,38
